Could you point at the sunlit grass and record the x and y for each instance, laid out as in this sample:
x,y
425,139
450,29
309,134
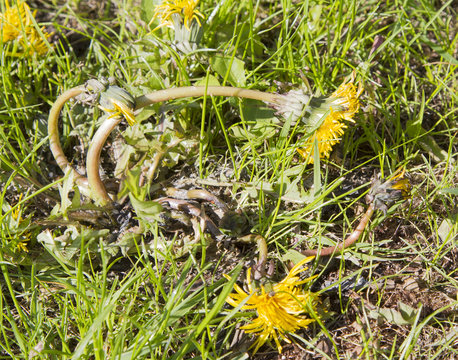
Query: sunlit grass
x,y
86,303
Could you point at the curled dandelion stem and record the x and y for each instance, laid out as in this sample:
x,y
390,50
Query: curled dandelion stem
x,y
96,184
350,240
196,91
261,244
93,181
380,195
53,132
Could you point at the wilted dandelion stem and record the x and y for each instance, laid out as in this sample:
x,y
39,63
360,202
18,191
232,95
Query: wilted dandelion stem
x,y
195,91
380,195
350,240
93,181
53,132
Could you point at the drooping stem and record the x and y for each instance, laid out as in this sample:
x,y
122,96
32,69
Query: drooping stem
x,y
53,131
350,240
96,185
93,158
196,91
93,161
261,244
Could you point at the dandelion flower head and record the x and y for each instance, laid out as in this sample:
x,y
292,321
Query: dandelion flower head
x,y
383,193
116,101
401,184
184,8
281,310
341,106
16,23
34,43
13,19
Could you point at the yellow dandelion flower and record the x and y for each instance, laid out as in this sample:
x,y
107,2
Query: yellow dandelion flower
x,y
401,184
16,213
327,135
17,24
117,101
281,310
340,106
122,109
22,246
384,193
184,8
13,20
34,42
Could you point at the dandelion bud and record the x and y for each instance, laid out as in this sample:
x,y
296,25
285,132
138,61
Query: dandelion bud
x,y
385,193
282,308
116,101
322,116
184,18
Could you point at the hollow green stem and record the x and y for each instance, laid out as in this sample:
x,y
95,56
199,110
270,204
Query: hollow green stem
x,y
96,185
262,250
196,91
53,131
157,159
350,240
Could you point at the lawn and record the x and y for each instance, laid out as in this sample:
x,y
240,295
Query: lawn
x,y
168,167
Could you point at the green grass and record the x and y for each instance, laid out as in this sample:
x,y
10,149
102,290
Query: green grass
x,y
90,288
